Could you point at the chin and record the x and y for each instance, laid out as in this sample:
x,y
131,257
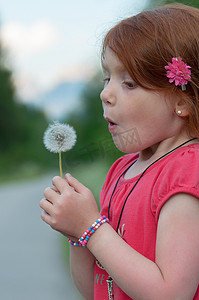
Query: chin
x,y
128,142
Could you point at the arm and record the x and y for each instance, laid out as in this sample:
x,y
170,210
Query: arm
x,y
82,271
175,273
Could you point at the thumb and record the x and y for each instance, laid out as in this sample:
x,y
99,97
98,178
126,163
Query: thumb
x,y
73,182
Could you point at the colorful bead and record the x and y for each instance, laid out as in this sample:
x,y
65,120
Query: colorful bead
x,y
87,234
73,243
84,240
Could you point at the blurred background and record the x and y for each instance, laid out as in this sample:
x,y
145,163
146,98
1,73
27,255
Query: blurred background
x,y
49,70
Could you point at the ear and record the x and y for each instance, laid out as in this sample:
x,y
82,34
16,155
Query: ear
x,y
181,109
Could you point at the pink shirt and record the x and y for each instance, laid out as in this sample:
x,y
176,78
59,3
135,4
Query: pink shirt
x,y
176,173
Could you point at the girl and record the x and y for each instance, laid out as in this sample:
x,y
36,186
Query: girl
x,y
150,248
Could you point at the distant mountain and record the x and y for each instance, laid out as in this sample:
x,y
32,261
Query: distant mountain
x,y
60,101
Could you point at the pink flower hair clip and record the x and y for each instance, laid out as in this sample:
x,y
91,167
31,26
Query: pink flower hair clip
x,y
179,72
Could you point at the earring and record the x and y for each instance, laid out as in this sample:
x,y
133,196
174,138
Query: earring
x,y
179,112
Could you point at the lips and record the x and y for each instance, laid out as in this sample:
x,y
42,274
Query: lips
x,y
112,125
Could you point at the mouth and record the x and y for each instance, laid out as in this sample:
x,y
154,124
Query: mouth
x,y
112,125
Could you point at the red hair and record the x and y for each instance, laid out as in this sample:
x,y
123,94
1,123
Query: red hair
x,y
145,43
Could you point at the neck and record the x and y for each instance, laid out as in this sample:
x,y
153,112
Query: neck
x,y
157,150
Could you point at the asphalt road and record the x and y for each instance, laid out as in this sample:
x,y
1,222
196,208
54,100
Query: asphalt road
x,y
31,259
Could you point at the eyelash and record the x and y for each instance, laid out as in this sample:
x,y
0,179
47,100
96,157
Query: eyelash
x,y
106,81
129,84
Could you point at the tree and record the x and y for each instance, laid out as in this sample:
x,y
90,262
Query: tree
x,y
9,123
154,3
21,128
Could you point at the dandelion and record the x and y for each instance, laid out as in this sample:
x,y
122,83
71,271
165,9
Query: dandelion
x,y
59,138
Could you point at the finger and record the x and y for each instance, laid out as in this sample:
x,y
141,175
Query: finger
x,y
55,189
73,182
60,184
50,194
46,206
46,217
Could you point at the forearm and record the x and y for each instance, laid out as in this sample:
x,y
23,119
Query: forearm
x,y
82,271
136,275
175,273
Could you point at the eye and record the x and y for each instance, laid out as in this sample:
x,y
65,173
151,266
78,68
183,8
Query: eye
x,y
130,84
106,81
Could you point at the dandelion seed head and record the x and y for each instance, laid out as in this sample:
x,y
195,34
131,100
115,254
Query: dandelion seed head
x,y
59,137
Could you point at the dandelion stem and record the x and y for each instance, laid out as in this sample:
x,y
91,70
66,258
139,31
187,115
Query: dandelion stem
x,y
60,165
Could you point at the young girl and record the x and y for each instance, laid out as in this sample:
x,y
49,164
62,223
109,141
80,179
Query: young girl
x,y
150,248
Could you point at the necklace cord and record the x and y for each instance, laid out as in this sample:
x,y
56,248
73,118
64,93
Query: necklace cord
x,y
109,206
138,181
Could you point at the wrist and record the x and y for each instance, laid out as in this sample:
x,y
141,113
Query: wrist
x,y
100,238
74,242
92,229
83,240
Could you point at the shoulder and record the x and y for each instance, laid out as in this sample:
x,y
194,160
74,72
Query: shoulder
x,y
178,173
182,164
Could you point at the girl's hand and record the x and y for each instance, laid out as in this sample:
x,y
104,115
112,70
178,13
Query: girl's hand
x,y
69,207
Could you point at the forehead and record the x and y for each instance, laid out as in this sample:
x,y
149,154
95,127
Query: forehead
x,y
111,61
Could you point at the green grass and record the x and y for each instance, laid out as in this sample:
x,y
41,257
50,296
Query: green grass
x,y
25,171
92,175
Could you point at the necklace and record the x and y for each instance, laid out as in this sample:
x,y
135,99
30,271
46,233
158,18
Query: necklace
x,y
110,280
118,224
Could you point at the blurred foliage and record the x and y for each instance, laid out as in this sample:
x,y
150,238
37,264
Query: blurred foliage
x,y
154,3
21,131
22,128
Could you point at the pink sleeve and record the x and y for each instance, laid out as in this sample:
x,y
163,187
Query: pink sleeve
x,y
179,175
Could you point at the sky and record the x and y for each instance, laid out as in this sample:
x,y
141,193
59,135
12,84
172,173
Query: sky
x,y
51,41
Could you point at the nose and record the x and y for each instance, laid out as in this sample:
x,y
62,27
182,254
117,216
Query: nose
x,y
107,95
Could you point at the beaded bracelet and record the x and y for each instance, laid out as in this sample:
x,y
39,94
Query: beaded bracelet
x,y
74,243
87,234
